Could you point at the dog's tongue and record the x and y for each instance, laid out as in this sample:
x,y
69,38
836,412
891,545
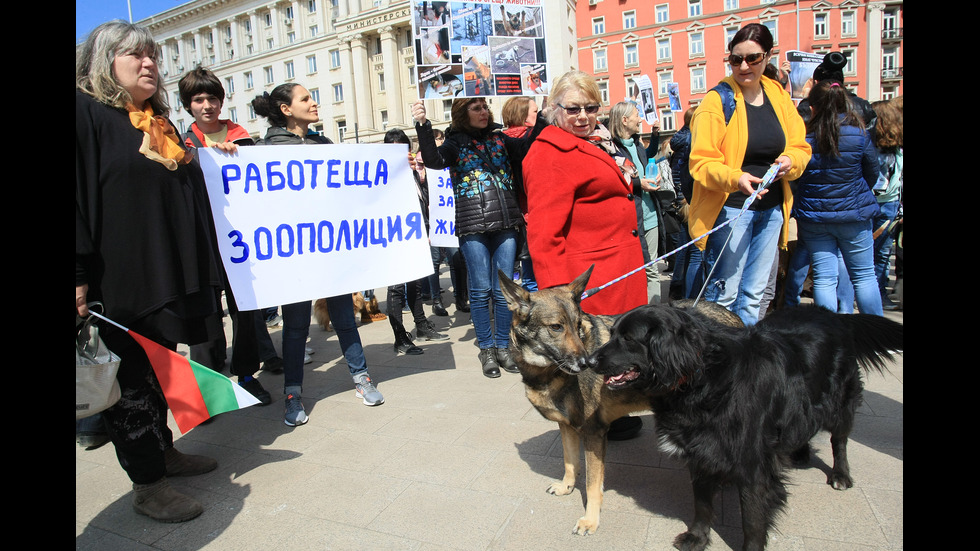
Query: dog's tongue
x,y
621,378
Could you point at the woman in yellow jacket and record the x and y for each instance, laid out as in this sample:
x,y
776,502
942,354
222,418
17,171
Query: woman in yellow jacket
x,y
728,162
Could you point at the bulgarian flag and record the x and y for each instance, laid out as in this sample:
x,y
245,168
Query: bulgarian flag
x,y
194,392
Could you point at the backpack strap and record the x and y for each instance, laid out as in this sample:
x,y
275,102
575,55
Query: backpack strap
x,y
190,135
727,99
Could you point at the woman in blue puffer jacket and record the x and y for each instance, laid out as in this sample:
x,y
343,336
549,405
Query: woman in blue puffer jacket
x,y
834,204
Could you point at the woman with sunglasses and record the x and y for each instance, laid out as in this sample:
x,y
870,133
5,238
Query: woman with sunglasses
x,y
581,209
484,165
728,161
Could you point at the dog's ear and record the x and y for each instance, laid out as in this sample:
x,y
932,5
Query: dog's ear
x,y
577,286
675,343
518,298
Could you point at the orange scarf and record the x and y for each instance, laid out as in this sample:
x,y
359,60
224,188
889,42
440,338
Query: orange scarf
x,y
160,141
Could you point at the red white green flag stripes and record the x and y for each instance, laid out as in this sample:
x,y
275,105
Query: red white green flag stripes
x,y
194,392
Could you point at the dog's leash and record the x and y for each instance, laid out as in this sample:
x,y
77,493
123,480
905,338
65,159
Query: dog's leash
x,y
767,179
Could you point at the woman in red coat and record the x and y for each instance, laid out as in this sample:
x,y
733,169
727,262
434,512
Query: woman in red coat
x,y
581,209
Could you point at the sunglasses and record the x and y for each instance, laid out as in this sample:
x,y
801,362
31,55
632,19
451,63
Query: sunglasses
x,y
576,109
751,59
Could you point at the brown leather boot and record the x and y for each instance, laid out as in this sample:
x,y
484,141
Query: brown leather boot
x,y
160,501
182,464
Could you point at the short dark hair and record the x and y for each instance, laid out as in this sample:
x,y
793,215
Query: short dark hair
x,y
199,81
397,135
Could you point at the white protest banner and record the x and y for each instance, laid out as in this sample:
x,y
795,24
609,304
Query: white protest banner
x,y
302,222
484,48
641,93
442,209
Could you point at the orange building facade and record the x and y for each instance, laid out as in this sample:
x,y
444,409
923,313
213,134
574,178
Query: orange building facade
x,y
685,42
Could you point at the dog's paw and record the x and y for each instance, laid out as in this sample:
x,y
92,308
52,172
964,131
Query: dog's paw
x,y
560,489
585,527
839,481
690,542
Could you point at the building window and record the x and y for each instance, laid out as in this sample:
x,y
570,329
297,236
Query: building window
x,y
233,114
341,130
604,91
229,86
268,19
889,24
629,19
598,25
335,59
176,101
851,67
447,109
662,12
731,5
664,80
338,93
729,35
315,95
820,25
631,54
663,49
381,82
311,64
697,80
289,14
666,120
696,41
314,31
290,70
251,112
291,37
384,120
249,84
848,24
270,77
270,44
889,62
693,8
311,6
599,63
773,29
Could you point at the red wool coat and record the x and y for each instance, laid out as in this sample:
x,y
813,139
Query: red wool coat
x,y
581,212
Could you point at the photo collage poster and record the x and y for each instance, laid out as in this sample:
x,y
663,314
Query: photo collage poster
x,y
471,49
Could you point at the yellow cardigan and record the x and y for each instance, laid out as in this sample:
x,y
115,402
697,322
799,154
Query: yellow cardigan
x,y
717,153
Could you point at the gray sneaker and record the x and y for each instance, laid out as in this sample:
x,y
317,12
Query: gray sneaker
x,y
365,389
295,413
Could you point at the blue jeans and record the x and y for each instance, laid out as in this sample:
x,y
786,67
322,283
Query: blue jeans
x,y
742,268
799,267
883,245
485,254
296,328
854,243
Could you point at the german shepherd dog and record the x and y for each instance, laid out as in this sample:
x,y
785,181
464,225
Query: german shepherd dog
x,y
739,405
550,336
514,23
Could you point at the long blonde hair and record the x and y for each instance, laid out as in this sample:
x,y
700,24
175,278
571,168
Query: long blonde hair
x,y
94,59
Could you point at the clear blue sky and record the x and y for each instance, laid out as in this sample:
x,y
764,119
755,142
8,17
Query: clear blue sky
x,y
92,13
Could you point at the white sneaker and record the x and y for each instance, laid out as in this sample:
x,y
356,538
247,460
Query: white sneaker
x,y
307,359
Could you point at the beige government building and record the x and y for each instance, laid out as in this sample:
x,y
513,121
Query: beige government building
x,y
355,56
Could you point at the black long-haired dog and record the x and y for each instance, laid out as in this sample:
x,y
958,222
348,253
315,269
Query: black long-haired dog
x,y
739,404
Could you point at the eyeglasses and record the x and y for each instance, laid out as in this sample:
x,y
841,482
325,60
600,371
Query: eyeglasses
x,y
576,109
751,59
